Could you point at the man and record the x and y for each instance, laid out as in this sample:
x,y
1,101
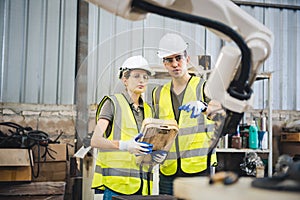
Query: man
x,y
188,155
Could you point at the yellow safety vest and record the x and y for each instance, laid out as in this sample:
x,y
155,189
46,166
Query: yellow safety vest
x,y
117,170
194,134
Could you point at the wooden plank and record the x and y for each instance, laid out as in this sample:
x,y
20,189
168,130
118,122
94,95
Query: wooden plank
x,y
290,137
160,133
194,187
14,157
32,189
54,197
20,173
51,171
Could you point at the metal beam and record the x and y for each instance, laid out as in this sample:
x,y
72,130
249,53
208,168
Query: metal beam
x,y
267,5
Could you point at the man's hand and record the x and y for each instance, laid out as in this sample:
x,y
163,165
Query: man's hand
x,y
159,156
135,147
197,107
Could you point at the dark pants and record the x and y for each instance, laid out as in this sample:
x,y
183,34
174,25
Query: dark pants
x,y
108,194
166,182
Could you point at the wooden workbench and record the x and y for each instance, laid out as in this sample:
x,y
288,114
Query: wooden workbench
x,y
199,188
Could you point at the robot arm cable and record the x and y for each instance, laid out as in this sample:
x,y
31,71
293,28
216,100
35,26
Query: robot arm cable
x,y
239,87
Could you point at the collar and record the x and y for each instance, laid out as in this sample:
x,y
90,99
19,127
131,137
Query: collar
x,y
129,100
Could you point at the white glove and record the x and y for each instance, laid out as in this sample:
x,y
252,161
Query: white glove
x,y
159,156
135,147
197,107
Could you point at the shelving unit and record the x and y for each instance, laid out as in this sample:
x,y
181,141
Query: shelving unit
x,y
262,76
232,150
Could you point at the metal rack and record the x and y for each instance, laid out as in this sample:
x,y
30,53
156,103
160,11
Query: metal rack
x,y
262,76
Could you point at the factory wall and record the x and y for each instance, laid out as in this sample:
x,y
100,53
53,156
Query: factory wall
x,y
38,50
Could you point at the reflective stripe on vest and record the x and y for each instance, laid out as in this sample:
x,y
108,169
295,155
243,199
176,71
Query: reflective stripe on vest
x,y
116,169
194,134
121,172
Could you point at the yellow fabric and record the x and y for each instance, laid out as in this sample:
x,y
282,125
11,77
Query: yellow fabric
x,y
187,142
120,161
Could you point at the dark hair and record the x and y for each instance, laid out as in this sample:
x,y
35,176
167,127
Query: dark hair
x,y
126,73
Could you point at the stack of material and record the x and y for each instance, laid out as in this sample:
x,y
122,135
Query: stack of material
x,y
15,165
290,139
50,163
33,190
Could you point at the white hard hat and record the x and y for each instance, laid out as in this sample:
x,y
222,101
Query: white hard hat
x,y
170,44
136,62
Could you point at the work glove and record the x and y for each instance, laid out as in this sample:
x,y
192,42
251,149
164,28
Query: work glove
x,y
135,147
159,156
197,107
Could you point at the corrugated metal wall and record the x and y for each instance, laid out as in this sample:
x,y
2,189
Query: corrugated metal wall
x,y
38,51
283,62
38,47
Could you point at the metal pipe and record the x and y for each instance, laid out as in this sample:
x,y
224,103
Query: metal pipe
x,y
267,5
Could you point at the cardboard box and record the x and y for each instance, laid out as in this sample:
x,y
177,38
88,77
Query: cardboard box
x,y
52,152
50,162
51,171
290,148
290,137
15,165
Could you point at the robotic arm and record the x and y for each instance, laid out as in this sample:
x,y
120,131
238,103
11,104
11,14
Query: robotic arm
x,y
236,67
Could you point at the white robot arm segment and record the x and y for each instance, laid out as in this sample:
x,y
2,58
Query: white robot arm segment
x,y
120,8
258,38
234,72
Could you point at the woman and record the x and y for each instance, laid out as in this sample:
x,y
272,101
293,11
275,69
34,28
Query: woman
x,y
119,119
